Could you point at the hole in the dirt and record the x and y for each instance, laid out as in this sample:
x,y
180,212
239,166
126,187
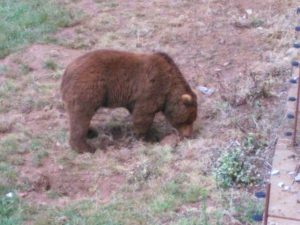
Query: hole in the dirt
x,y
92,133
41,183
117,132
115,128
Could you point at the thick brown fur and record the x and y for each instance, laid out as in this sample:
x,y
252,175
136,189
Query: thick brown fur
x,y
143,83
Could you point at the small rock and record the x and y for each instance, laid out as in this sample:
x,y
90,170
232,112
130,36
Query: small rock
x,y
298,198
286,188
138,45
205,90
257,217
249,11
209,210
292,53
291,173
297,178
23,194
222,41
171,140
124,155
260,194
242,24
274,172
54,53
280,184
226,64
9,195
292,156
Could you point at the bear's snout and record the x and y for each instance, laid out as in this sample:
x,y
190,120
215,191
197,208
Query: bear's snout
x,y
186,130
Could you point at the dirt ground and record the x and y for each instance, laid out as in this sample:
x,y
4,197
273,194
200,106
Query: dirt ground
x,y
239,48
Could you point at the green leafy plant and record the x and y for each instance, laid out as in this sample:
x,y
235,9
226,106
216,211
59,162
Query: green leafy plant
x,y
238,165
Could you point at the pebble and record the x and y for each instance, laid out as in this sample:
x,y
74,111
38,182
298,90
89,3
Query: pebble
x,y
286,188
280,184
9,195
257,217
249,11
23,194
292,53
297,178
205,90
274,172
260,194
226,64
171,140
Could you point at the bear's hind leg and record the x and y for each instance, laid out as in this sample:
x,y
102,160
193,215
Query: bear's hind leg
x,y
79,127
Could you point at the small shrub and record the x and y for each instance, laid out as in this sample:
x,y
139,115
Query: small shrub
x,y
50,64
256,22
246,207
243,206
163,203
37,158
238,165
25,69
7,88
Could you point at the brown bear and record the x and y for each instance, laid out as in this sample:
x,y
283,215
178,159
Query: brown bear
x,y
143,83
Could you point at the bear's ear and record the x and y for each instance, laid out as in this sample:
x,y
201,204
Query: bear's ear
x,y
186,98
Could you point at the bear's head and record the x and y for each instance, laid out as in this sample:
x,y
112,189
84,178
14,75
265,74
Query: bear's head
x,y
181,112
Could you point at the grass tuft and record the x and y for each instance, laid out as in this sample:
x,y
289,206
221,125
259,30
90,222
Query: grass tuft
x,y
10,211
50,64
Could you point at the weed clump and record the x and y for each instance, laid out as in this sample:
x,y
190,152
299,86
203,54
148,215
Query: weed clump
x,y
238,165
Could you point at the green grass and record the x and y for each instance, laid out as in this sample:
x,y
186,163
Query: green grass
x,y
246,207
7,88
26,21
131,208
10,211
3,69
50,64
9,145
8,177
14,211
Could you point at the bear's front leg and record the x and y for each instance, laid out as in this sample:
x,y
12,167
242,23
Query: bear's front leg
x,y
79,126
142,122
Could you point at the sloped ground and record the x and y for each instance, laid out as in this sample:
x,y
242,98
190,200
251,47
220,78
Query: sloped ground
x,y
238,48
